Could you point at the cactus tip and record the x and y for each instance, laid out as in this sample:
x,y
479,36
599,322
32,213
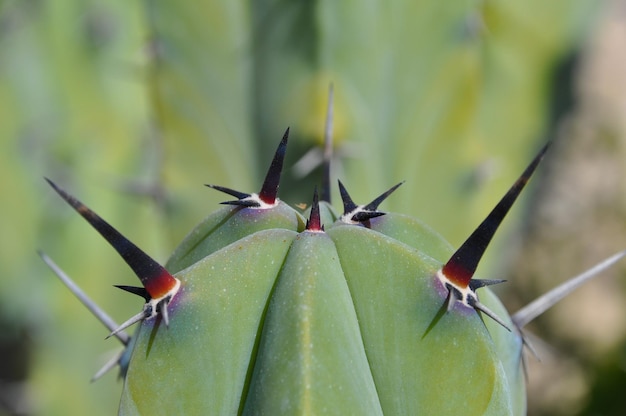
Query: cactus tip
x,y
314,223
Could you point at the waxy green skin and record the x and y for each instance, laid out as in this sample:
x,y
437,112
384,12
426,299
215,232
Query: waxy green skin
x,y
281,320
227,225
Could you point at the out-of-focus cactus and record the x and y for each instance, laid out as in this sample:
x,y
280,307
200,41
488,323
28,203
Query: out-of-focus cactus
x,y
268,313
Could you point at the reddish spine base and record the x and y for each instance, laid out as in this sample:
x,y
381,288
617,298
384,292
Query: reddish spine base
x,y
160,285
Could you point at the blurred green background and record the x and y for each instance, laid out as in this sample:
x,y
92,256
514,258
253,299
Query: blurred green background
x,y
133,106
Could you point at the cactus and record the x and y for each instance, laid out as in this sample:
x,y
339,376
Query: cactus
x,y
264,309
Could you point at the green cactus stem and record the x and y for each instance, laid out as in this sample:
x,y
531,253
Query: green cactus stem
x,y
362,313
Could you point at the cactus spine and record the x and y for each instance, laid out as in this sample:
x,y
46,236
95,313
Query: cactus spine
x,y
265,310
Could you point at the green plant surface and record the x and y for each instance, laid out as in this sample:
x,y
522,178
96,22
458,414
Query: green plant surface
x,y
135,105
344,321
224,315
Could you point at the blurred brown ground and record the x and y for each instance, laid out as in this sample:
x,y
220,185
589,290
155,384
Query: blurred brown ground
x,y
578,218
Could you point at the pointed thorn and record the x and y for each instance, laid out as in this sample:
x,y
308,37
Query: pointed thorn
x,y
529,312
108,366
526,342
244,199
373,206
363,216
478,283
348,204
328,147
164,313
247,203
157,281
462,265
524,365
531,347
133,320
269,191
314,223
101,315
452,297
476,304
139,291
232,192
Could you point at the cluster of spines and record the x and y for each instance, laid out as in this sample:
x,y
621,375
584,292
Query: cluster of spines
x,y
268,196
456,275
159,286
362,214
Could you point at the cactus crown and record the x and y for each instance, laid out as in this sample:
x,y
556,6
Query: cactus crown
x,y
296,258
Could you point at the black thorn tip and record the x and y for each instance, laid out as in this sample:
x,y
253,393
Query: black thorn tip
x,y
269,191
139,291
348,204
248,203
232,192
478,283
314,223
363,216
152,275
373,206
463,263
